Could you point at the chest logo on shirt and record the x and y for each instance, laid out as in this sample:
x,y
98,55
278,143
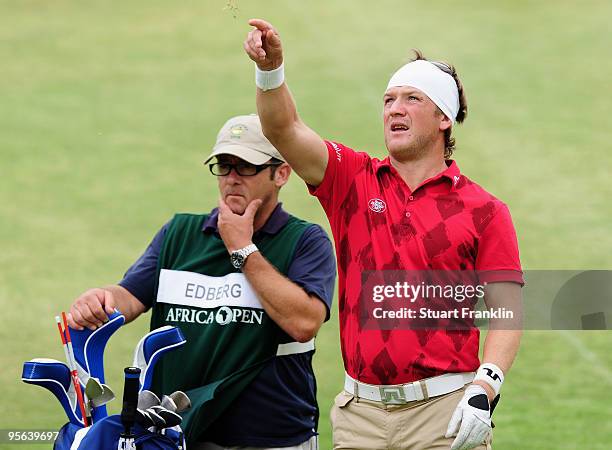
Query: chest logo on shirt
x,y
377,205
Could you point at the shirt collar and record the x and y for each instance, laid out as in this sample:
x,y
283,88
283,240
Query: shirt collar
x,y
275,222
452,171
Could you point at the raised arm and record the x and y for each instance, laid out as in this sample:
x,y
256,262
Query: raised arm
x,y
303,149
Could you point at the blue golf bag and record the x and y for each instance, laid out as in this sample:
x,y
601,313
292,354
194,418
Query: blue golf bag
x,y
105,434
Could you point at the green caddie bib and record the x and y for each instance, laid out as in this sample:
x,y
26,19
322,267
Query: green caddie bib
x,y
229,335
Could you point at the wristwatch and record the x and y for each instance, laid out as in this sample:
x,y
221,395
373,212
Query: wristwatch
x,y
238,257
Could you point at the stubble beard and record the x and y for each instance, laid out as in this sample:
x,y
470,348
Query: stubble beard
x,y
414,150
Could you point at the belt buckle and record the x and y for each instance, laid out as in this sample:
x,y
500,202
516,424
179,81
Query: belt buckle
x,y
392,395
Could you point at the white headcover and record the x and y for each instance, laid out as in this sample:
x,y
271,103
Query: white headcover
x,y
439,86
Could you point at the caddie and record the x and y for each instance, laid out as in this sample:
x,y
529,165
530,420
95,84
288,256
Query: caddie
x,y
412,211
249,285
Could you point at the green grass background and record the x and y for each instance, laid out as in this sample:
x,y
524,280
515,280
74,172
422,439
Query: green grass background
x,y
107,109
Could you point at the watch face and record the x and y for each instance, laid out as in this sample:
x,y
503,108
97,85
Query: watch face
x,y
237,260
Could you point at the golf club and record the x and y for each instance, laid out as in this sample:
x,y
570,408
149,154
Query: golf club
x,y
158,421
67,343
172,419
168,403
144,419
181,401
88,349
98,394
146,399
130,405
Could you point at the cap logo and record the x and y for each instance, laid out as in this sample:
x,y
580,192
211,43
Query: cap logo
x,y
237,130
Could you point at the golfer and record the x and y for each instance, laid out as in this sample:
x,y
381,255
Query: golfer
x,y
249,285
413,210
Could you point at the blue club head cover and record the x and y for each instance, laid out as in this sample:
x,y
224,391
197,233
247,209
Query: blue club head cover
x,y
54,376
88,347
152,347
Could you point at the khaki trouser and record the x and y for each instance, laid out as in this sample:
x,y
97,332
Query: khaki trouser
x,y
310,444
360,424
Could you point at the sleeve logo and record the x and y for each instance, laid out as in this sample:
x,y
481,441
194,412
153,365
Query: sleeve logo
x,y
338,151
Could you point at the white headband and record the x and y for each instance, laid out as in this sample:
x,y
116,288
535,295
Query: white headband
x,y
439,86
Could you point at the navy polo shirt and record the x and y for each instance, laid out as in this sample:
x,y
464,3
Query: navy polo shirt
x,y
279,408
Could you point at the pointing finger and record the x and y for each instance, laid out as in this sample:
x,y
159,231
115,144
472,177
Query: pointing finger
x,y
261,24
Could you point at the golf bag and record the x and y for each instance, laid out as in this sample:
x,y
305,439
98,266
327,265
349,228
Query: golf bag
x,y
85,353
105,434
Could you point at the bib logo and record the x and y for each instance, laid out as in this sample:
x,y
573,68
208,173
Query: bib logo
x,y
377,205
224,316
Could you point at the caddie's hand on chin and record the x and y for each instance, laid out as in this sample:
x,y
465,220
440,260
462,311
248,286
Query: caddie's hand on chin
x,y
237,230
471,421
91,309
263,45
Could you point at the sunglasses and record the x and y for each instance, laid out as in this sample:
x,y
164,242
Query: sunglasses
x,y
243,169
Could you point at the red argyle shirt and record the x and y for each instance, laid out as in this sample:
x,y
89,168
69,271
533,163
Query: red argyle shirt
x,y
447,223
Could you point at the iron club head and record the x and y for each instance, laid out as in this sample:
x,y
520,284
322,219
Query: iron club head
x,y
93,388
147,399
172,419
168,403
106,396
181,401
144,419
158,421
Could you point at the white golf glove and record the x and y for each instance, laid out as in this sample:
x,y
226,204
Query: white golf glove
x,y
471,421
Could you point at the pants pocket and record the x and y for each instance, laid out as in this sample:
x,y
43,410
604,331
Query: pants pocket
x,y
338,422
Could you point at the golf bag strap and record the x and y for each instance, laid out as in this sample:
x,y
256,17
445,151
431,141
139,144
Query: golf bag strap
x,y
293,348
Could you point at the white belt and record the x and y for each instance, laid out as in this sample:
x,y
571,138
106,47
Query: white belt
x,y
293,348
398,394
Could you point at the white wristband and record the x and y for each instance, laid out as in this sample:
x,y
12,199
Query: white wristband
x,y
269,79
490,374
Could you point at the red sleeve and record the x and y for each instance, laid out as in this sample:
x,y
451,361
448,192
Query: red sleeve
x,y
343,164
497,258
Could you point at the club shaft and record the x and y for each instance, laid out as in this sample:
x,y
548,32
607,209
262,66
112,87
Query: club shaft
x,y
73,370
63,338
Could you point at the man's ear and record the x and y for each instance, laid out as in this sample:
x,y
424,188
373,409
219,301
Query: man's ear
x,y
281,175
445,122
